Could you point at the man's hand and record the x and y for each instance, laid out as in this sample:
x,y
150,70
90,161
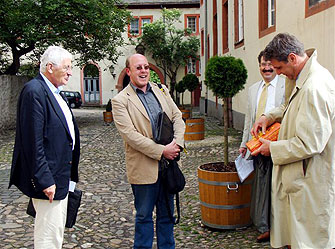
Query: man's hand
x,y
50,192
261,123
264,149
171,150
242,151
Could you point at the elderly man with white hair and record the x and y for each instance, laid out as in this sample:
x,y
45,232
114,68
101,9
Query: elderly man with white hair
x,y
46,151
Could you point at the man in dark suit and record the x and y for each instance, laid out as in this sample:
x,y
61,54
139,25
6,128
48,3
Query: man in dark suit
x,y
46,151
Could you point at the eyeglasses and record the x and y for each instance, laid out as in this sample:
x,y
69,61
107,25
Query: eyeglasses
x,y
264,64
63,68
145,67
67,68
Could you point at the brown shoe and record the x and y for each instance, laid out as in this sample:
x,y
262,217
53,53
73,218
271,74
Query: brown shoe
x,y
264,237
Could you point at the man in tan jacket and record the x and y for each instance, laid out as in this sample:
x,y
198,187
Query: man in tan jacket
x,y
135,111
303,177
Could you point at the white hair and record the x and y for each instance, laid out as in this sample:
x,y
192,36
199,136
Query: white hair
x,y
54,55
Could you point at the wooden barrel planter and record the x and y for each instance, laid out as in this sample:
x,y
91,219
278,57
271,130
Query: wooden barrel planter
x,y
224,200
195,129
108,117
186,113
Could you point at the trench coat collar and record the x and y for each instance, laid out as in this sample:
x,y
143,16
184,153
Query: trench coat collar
x,y
303,75
312,54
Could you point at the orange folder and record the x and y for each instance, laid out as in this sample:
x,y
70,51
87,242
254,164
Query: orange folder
x,y
270,134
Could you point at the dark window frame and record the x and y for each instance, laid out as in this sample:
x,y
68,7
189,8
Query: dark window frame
x,y
318,7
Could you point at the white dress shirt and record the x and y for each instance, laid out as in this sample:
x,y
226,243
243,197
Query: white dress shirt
x,y
270,102
64,107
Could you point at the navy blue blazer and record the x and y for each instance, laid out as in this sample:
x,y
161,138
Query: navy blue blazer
x,y
43,153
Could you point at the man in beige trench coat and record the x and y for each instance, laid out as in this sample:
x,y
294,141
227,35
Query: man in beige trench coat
x,y
303,177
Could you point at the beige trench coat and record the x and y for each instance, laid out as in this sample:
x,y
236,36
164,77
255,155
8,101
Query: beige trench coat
x,y
133,123
303,177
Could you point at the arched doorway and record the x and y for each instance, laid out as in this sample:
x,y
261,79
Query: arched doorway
x,y
91,84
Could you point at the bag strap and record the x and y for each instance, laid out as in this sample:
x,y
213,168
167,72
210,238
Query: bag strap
x,y
175,222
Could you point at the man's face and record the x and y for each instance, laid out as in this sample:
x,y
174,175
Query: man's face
x,y
139,71
267,71
285,68
60,75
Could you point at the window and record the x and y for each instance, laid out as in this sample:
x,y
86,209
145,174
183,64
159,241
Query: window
x,y
192,22
136,24
135,27
215,28
215,34
225,45
271,14
208,47
238,20
202,42
193,66
315,6
267,17
145,21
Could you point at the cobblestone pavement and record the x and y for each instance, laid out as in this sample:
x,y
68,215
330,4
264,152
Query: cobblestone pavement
x,y
106,216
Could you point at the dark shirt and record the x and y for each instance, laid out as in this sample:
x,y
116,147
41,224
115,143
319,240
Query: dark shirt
x,y
151,105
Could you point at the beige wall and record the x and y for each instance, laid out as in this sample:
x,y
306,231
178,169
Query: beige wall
x,y
316,31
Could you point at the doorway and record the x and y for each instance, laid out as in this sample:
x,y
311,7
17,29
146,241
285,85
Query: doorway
x,y
91,84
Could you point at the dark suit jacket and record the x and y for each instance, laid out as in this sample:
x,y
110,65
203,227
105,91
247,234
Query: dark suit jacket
x,y
43,153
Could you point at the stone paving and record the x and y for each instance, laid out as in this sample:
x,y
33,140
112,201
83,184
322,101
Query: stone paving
x,y
106,216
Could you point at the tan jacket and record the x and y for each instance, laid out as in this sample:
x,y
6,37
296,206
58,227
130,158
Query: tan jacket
x,y
133,123
303,177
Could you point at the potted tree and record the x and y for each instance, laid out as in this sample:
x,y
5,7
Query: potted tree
x,y
108,116
195,127
225,201
180,88
191,83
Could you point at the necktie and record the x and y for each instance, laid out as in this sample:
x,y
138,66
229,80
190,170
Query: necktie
x,y
262,100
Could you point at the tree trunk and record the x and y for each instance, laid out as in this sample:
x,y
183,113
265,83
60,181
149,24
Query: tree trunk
x,y
172,85
225,130
14,67
191,114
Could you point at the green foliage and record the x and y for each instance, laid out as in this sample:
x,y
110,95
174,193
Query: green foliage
x,y
91,28
191,82
109,106
31,70
169,47
91,70
180,87
225,75
154,77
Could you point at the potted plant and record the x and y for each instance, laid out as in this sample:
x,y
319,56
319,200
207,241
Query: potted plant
x,y
191,83
108,116
195,127
180,88
225,201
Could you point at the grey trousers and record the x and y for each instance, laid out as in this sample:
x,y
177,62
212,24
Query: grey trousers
x,y
261,193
